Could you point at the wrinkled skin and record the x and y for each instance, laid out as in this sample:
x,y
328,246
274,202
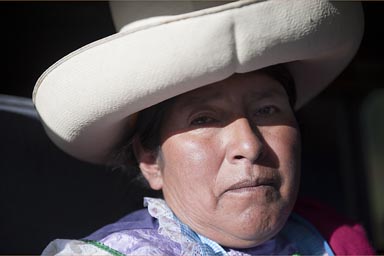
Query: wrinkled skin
x,y
228,163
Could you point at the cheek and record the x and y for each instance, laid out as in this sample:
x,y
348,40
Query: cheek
x,y
181,152
189,174
190,160
284,143
287,144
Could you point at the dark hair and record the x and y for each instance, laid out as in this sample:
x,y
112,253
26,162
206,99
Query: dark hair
x,y
149,122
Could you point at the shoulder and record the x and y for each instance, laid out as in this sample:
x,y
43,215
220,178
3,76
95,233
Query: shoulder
x,y
136,220
141,242
124,242
135,234
343,235
74,247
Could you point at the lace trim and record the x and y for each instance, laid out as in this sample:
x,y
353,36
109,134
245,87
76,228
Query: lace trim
x,y
169,226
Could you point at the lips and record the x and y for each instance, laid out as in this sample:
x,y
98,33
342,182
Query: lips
x,y
250,184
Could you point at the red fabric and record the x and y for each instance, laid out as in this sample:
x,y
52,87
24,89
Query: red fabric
x,y
344,236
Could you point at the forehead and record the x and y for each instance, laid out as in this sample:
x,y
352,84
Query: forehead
x,y
253,85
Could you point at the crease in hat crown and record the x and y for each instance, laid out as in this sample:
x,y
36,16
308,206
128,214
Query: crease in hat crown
x,y
87,99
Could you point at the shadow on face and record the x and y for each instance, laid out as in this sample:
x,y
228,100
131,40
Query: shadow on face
x,y
249,109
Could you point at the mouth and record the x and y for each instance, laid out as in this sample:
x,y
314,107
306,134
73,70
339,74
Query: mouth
x,y
253,185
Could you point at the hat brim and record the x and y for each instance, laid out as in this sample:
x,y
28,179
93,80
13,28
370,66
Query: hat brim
x,y
87,99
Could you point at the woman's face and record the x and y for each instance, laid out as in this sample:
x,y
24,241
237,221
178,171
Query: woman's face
x,y
229,159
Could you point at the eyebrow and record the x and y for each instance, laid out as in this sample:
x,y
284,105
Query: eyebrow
x,y
253,95
218,95
198,99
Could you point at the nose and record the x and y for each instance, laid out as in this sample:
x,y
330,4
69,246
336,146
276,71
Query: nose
x,y
244,143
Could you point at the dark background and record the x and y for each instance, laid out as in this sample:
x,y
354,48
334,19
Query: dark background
x,y
45,197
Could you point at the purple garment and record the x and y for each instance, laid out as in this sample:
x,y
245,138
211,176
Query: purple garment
x,y
136,220
138,232
156,231
141,220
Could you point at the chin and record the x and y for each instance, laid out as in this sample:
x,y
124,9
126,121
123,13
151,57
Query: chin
x,y
256,227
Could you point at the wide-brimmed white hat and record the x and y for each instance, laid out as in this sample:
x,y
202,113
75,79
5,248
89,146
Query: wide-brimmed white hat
x,y
87,101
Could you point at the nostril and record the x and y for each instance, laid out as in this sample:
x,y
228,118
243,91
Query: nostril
x,y
252,156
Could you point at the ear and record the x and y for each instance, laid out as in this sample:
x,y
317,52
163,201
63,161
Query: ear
x,y
148,164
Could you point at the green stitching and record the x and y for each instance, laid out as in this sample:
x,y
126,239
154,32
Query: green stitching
x,y
104,247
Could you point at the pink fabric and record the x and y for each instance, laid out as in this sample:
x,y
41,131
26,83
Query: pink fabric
x,y
344,236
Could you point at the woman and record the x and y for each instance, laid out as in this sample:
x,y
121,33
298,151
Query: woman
x,y
203,103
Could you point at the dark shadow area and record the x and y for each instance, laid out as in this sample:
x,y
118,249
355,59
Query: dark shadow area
x,y
45,194
334,168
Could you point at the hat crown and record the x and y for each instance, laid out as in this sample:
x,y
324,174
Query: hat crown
x,y
132,13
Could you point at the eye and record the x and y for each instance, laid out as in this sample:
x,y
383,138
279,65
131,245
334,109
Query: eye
x,y
266,111
203,120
